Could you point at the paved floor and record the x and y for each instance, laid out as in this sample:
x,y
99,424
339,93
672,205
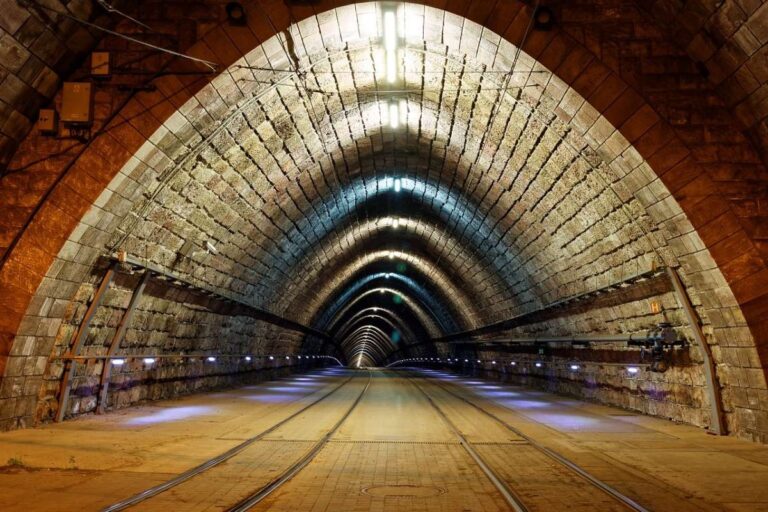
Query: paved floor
x,y
393,452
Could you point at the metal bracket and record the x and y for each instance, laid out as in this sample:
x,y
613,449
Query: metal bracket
x,y
117,339
71,364
716,416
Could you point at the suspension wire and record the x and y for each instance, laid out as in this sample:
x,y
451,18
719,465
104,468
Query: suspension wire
x,y
111,9
342,72
209,64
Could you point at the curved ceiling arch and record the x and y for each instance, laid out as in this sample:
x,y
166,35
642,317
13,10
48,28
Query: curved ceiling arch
x,y
482,265
417,240
400,335
460,305
662,223
395,320
239,264
372,319
370,338
419,308
396,314
439,306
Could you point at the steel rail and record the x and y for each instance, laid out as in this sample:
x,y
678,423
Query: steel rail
x,y
292,471
617,495
509,495
215,461
170,278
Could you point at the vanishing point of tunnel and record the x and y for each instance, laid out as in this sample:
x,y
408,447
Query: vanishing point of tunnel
x,y
338,256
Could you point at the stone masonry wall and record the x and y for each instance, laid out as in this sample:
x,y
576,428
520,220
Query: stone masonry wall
x,y
635,182
159,326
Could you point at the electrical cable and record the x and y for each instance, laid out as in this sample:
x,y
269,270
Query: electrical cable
x,y
209,64
111,9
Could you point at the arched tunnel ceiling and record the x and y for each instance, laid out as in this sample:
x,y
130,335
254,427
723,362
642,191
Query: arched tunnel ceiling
x,y
523,211
509,191
297,179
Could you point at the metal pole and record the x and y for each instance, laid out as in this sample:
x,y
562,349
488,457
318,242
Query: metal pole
x,y
597,338
71,364
560,305
117,339
717,419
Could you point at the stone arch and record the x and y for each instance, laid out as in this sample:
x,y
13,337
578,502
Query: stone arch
x,y
582,92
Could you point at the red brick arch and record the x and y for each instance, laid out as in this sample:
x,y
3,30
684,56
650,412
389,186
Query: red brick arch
x,y
704,198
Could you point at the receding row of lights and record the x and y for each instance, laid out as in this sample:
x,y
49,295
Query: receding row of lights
x,y
394,222
538,364
212,359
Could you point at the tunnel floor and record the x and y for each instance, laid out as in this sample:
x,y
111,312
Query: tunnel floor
x,y
379,440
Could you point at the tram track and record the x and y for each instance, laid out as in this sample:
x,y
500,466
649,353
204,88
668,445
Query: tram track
x,y
259,495
219,459
514,499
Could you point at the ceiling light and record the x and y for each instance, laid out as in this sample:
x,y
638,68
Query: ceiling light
x,y
118,362
398,185
391,67
211,359
247,358
394,118
538,365
574,367
390,31
390,45
149,360
633,370
271,358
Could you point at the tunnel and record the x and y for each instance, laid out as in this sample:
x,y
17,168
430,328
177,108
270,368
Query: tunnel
x,y
459,255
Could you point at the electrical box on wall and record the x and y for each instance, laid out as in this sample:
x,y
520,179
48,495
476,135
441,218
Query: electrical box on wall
x,y
101,64
47,121
77,103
